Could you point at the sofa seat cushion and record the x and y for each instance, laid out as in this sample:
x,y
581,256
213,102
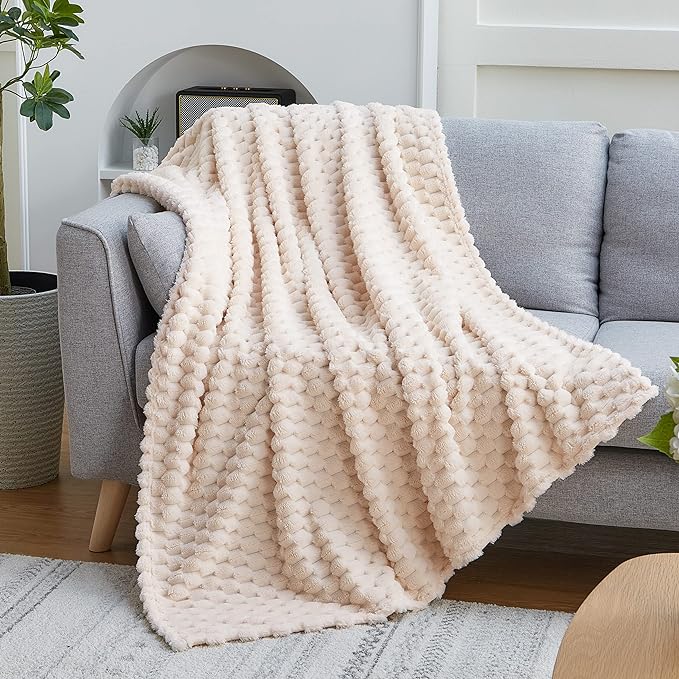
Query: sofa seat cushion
x,y
156,245
142,365
648,345
641,228
617,487
533,193
583,326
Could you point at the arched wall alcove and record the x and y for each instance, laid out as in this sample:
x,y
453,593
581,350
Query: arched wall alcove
x,y
156,85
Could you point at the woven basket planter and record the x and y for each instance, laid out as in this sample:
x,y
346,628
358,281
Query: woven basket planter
x,y
31,386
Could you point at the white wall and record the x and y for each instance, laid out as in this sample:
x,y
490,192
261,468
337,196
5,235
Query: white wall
x,y
615,61
352,50
10,159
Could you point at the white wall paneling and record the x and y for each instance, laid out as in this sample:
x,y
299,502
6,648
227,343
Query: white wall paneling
x,y
496,59
428,53
619,98
352,50
587,13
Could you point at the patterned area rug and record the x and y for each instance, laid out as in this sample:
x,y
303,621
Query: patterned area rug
x,y
72,620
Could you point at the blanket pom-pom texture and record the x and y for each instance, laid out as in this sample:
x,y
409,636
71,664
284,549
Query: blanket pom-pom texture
x,y
344,408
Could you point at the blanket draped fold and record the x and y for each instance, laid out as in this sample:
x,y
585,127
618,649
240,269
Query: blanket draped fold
x,y
344,407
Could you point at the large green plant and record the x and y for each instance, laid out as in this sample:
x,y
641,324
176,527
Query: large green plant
x,y
42,29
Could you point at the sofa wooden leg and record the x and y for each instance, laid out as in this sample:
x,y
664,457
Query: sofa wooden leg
x,y
112,497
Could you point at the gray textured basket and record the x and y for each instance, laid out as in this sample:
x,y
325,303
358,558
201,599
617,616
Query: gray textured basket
x,y
31,386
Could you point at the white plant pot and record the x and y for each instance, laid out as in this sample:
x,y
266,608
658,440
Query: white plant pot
x,y
145,156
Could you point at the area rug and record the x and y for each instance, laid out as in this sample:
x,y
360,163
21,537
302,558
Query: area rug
x,y
343,408
71,620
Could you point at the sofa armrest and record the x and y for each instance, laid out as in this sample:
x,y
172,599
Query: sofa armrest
x,y
103,314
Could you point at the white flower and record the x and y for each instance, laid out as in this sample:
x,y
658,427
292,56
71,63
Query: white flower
x,y
674,441
674,446
672,390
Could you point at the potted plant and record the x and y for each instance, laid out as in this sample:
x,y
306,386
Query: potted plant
x,y
145,146
31,389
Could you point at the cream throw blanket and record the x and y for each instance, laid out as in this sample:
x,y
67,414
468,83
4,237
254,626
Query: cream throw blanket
x,y
344,408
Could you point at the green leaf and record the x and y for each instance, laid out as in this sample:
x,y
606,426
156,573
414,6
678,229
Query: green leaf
x,y
28,108
660,437
675,360
30,89
67,21
142,128
73,50
69,34
42,82
59,96
37,81
66,7
43,116
38,7
14,13
59,109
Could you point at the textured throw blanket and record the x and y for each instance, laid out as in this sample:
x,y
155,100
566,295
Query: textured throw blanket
x,y
344,408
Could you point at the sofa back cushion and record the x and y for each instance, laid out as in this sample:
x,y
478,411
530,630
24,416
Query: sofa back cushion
x,y
156,245
534,194
639,278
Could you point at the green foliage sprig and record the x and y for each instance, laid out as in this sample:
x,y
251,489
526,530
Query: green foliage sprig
x,y
42,26
144,127
665,435
44,99
42,29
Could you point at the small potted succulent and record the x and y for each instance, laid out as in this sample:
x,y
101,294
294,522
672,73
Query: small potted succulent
x,y
31,388
665,436
145,155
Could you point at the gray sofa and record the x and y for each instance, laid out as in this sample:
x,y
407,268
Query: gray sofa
x,y
582,231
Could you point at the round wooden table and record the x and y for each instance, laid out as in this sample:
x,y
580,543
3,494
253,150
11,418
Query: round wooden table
x,y
628,627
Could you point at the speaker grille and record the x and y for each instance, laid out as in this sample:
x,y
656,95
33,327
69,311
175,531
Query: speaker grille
x,y
192,107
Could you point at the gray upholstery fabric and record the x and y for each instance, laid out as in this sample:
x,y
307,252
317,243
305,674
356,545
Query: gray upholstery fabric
x,y
617,487
581,325
534,195
156,243
103,314
142,365
648,345
641,223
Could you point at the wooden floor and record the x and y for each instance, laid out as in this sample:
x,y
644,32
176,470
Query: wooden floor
x,y
55,520
537,564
